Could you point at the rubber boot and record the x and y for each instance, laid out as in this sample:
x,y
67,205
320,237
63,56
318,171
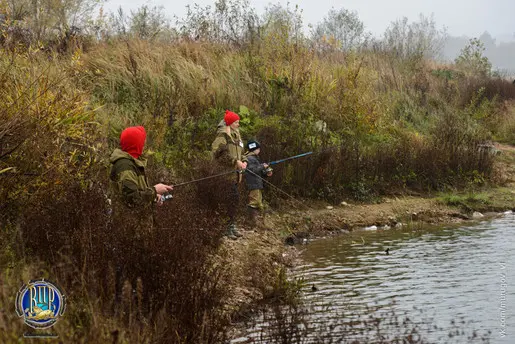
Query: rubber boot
x,y
232,232
235,231
228,233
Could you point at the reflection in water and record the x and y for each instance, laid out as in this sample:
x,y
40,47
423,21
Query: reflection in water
x,y
443,280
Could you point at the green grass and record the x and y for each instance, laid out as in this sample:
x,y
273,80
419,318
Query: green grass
x,y
494,199
465,200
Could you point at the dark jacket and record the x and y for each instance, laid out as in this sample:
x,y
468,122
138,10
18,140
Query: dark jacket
x,y
255,166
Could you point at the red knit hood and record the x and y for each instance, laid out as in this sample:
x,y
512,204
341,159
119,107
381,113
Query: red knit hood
x,y
230,117
132,140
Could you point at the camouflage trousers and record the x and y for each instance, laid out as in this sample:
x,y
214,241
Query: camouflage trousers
x,y
256,199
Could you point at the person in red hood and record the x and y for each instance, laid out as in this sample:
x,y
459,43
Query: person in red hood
x,y
132,215
128,179
227,150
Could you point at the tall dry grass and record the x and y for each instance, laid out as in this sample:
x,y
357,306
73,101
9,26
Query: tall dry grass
x,y
126,274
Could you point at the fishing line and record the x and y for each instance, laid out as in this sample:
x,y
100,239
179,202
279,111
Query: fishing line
x,y
205,178
293,198
168,196
278,189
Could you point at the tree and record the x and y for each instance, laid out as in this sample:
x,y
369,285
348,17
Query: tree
x,y
340,28
45,18
146,23
488,41
415,40
472,61
230,21
284,21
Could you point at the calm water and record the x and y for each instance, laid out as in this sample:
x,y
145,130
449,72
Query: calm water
x,y
447,283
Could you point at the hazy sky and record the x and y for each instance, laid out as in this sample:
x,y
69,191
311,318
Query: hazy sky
x,y
461,17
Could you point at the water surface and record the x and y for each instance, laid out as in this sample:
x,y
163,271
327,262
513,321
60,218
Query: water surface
x,y
452,285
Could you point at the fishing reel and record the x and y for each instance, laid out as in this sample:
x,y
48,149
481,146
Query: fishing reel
x,y
165,197
268,170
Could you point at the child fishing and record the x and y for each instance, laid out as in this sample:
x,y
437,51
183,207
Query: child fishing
x,y
254,175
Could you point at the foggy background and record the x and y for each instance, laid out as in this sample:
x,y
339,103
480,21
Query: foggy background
x,y
500,51
493,21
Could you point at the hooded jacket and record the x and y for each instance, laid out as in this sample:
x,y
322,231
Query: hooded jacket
x,y
128,180
227,149
132,140
255,166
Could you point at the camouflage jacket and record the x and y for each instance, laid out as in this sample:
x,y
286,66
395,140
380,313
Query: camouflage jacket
x,y
227,149
128,181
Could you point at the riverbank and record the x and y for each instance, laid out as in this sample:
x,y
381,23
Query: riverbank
x,y
262,252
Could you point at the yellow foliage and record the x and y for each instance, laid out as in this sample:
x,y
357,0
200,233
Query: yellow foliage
x,y
47,121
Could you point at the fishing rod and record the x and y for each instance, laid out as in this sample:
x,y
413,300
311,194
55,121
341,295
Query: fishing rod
x,y
290,158
168,196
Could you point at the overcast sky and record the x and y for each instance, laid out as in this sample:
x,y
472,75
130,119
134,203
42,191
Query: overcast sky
x,y
461,17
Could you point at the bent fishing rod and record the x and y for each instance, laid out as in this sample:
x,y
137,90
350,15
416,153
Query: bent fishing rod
x,y
168,196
